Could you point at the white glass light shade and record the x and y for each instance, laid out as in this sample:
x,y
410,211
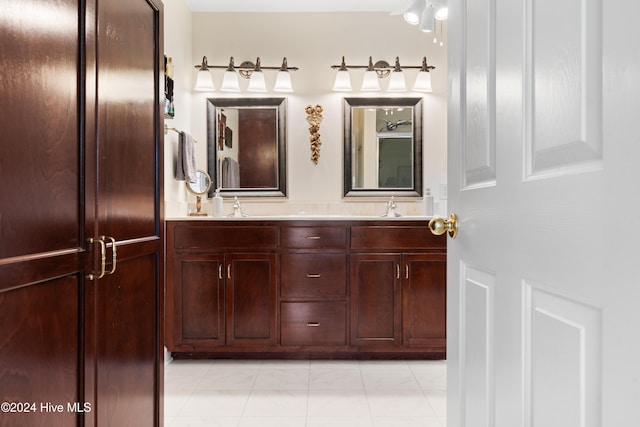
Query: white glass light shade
x,y
257,83
204,81
283,82
442,13
343,82
428,23
423,82
396,82
230,82
370,82
413,14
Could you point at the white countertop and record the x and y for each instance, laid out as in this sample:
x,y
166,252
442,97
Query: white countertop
x,y
301,217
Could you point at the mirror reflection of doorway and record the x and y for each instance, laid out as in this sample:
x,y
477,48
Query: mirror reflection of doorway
x,y
395,160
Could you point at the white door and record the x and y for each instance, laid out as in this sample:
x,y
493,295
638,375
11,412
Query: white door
x,y
544,147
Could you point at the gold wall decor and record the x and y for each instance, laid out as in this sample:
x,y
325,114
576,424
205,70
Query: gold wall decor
x,y
314,116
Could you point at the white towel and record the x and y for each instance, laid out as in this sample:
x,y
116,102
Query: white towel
x,y
186,164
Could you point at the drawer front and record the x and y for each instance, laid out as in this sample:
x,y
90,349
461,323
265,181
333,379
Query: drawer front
x,y
313,323
220,237
313,237
395,237
313,275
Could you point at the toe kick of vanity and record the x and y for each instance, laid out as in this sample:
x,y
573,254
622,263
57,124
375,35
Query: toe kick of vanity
x,y
305,289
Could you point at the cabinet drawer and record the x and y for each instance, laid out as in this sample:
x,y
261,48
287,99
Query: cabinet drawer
x,y
313,275
221,237
395,237
313,323
313,237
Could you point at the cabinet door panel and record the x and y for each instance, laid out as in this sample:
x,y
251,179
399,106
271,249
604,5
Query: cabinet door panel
x,y
251,301
424,296
375,299
202,306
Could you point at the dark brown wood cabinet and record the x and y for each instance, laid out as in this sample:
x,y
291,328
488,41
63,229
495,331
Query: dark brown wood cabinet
x,y
221,300
81,235
305,289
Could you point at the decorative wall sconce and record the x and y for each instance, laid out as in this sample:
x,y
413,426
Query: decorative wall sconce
x,y
247,70
382,69
314,116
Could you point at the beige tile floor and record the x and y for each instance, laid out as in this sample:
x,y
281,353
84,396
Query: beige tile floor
x,y
317,393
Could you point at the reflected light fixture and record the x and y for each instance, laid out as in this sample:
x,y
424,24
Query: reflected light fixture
x,y
283,79
396,81
423,79
343,81
370,80
230,81
413,14
204,81
256,81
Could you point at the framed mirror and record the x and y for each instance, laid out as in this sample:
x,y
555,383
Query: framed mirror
x,y
247,146
382,147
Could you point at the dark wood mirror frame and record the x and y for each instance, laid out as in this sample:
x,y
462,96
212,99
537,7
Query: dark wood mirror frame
x,y
416,188
215,106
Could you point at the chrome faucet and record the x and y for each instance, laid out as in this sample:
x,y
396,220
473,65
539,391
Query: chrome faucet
x,y
391,209
237,209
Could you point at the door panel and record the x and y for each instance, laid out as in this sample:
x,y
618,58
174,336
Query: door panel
x,y
128,119
39,349
127,343
538,287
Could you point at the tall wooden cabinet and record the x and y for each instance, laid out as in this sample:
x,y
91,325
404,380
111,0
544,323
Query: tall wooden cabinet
x,y
81,236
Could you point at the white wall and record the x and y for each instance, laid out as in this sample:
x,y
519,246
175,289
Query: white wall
x,y
177,45
312,42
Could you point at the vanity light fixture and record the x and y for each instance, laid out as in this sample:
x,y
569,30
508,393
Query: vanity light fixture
x,y
423,79
343,81
246,70
382,69
283,79
370,80
230,81
256,81
396,81
204,81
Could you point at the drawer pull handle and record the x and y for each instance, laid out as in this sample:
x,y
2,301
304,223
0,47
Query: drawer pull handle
x,y
313,237
313,275
313,324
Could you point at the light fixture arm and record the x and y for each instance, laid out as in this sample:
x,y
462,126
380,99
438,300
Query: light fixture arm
x,y
382,68
246,68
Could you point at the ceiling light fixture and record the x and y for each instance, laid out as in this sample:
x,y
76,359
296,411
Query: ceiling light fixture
x,y
413,14
246,70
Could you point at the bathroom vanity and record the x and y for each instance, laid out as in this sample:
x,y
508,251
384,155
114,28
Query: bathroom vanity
x,y
305,288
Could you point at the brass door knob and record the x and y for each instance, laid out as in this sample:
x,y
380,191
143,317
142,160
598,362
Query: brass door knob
x,y
439,225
